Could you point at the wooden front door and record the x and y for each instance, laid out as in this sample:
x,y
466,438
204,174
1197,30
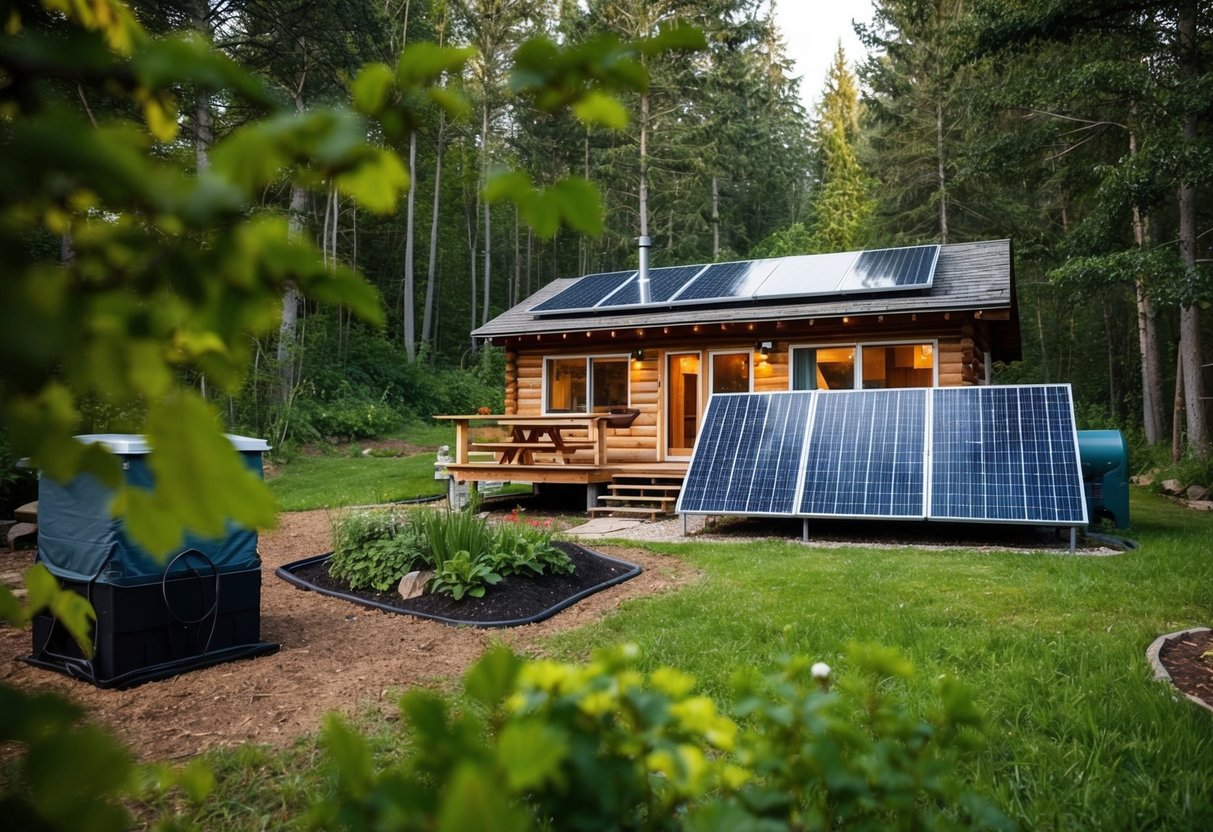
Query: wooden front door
x,y
682,386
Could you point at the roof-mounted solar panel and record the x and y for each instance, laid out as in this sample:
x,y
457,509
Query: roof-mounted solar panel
x,y
806,275
586,293
725,281
664,283
809,275
891,269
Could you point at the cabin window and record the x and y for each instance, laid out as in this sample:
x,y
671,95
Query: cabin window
x,y
731,372
585,384
870,366
610,377
823,368
898,365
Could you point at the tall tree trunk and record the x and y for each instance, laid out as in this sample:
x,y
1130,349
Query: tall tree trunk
x,y
1147,334
472,227
514,295
529,239
431,274
942,173
1189,315
1177,420
290,300
488,215
408,290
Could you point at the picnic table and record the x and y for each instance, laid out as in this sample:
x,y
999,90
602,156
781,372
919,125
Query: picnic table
x,y
560,435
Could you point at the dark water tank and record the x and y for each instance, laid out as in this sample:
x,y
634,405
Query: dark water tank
x,y
155,618
1105,475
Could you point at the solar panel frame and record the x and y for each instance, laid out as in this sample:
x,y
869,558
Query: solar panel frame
x,y
823,273
664,283
850,471
724,281
751,487
1049,494
587,291
923,260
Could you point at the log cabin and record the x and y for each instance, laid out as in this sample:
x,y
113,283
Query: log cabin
x,y
608,375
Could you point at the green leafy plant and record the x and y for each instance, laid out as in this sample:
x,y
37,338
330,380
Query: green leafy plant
x,y
461,575
607,746
376,548
447,533
524,547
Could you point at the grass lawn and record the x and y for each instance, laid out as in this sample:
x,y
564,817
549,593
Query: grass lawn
x,y
332,481
1078,734
335,480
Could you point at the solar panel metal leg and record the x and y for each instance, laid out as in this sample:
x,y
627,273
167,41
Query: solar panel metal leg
x,y
684,525
805,532
1073,539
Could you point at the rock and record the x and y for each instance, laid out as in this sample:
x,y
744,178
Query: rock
x,y
413,584
1201,505
1196,493
1142,479
1173,487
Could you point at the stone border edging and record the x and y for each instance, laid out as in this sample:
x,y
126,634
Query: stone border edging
x,y
1161,673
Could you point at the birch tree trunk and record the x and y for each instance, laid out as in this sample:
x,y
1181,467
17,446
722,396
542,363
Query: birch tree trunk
x,y
1147,334
431,267
1189,315
488,214
408,290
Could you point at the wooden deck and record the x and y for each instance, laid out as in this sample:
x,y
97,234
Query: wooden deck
x,y
562,473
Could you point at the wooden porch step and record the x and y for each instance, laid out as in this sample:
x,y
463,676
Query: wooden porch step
x,y
638,498
650,513
644,486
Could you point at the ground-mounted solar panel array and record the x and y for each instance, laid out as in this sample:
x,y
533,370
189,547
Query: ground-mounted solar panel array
x,y
884,270
973,454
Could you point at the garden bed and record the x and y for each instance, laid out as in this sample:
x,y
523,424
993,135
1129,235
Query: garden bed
x,y
514,601
1180,658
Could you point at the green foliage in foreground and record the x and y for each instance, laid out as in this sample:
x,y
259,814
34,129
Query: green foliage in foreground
x,y
606,746
1080,735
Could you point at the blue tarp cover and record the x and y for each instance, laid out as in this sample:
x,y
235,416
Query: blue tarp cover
x,y
78,540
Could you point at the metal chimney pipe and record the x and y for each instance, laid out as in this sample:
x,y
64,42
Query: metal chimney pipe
x,y
642,279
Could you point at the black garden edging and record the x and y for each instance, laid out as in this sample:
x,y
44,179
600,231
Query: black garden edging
x,y
289,572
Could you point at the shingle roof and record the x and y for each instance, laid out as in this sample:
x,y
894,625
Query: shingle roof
x,y
968,276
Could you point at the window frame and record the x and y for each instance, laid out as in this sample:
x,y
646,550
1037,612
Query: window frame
x,y
858,346
589,359
711,374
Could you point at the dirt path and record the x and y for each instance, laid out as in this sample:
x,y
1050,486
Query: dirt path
x,y
334,656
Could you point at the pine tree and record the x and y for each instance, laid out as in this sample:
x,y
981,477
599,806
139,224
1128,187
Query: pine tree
x,y
842,206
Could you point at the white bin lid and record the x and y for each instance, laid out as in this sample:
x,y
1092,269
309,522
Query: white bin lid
x,y
136,443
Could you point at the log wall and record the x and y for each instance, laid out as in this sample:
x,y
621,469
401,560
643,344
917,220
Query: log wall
x,y
960,358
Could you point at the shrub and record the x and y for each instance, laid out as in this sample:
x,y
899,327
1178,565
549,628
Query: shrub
x,y
375,549
606,746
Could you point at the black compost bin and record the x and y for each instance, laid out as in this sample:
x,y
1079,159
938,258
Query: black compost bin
x,y
155,618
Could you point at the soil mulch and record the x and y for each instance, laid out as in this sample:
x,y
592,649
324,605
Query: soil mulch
x,y
514,599
1190,671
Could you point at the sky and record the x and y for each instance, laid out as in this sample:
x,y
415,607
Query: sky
x,y
812,29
